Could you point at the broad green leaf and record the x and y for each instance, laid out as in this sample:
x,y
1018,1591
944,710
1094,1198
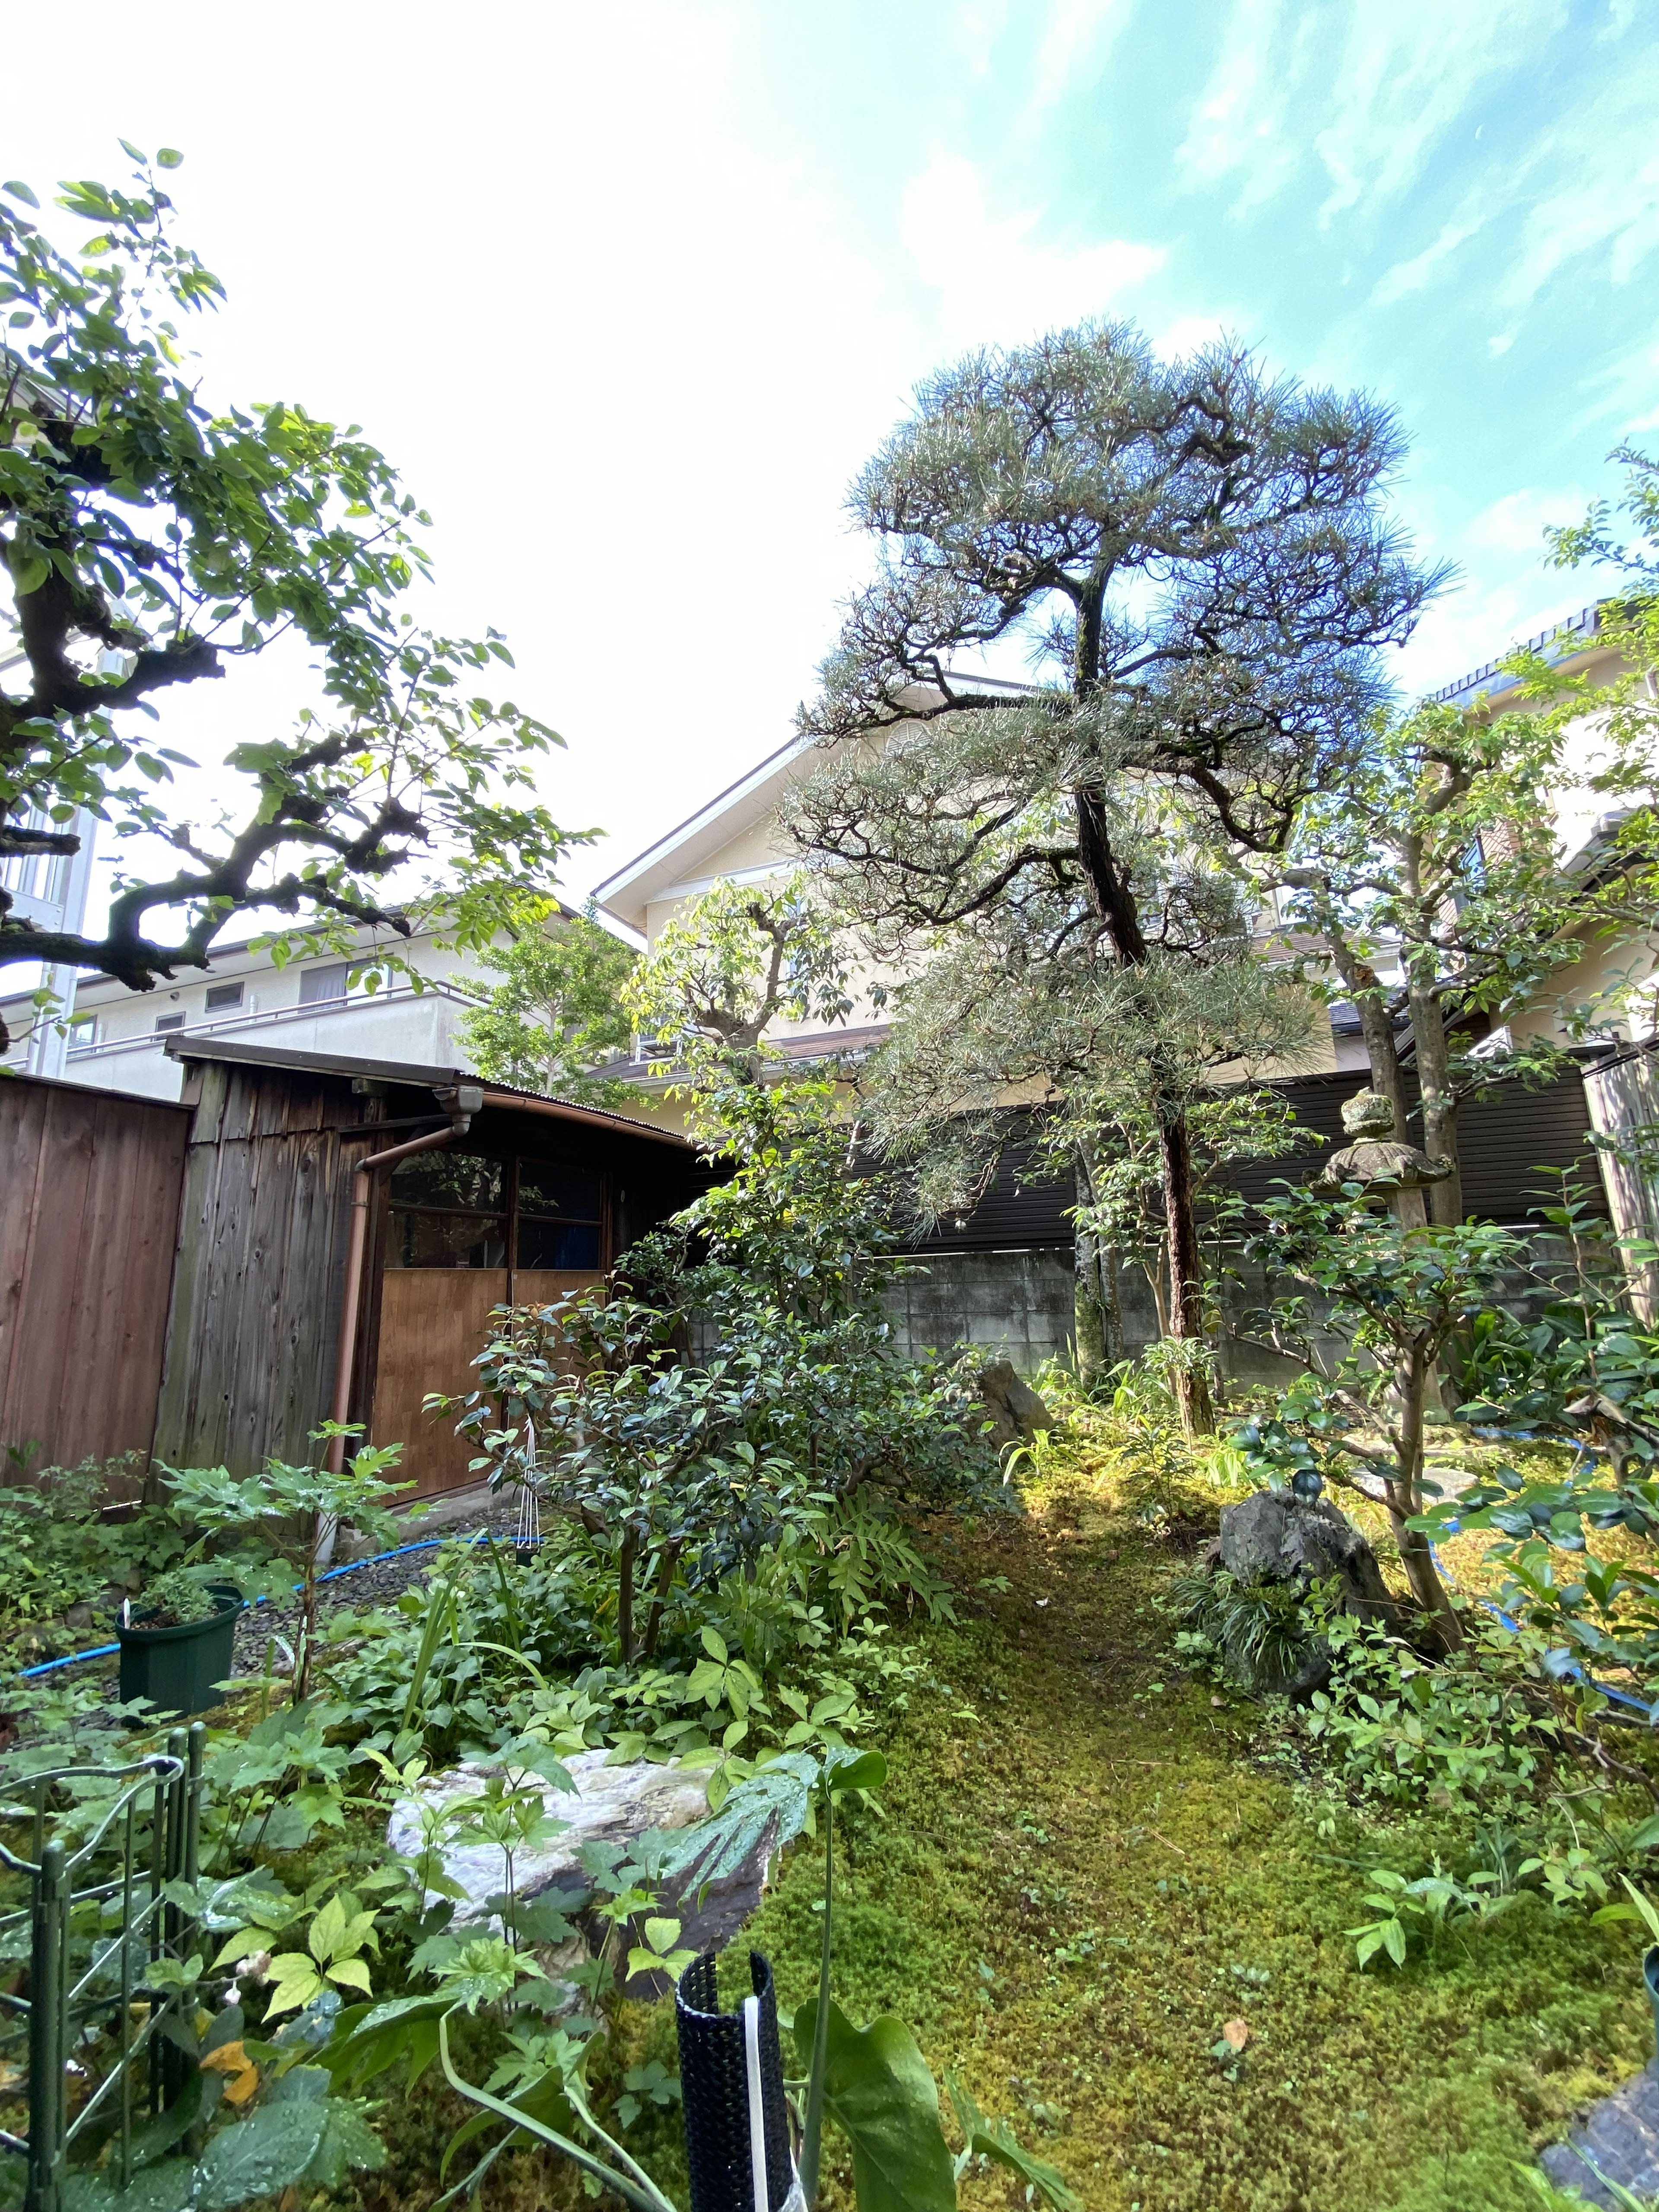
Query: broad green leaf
x,y
328,1932
777,1795
164,2188
879,2093
261,2155
866,1770
295,1982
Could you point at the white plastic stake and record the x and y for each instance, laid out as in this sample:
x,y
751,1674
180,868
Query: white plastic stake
x,y
756,2108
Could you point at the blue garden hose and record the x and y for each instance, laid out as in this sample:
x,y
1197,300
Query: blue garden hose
x,y
105,1650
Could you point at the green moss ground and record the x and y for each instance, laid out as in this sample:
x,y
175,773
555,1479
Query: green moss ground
x,y
1087,1865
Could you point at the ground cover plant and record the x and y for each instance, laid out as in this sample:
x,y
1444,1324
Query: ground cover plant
x,y
1111,1898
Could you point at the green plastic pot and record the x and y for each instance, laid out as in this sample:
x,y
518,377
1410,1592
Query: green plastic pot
x,y
177,1669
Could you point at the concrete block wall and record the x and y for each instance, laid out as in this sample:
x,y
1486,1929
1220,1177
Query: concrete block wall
x,y
1015,1305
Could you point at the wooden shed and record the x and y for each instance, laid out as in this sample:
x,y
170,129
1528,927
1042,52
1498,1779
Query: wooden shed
x,y
531,1198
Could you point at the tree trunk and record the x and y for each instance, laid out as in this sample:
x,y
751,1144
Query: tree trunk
x,y
1088,1303
1381,1050
1111,1300
1414,1378
1114,901
1192,1387
1088,1318
669,1557
1439,1106
629,1552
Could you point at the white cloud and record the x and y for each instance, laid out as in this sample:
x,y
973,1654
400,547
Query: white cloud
x,y
1606,203
1186,334
1240,123
1078,34
1369,100
1407,72
993,277
1417,274
1516,523
1503,593
1627,392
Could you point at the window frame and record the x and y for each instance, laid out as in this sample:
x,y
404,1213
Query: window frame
x,y
508,1209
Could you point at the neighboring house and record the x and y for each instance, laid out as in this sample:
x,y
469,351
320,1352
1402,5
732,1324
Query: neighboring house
x,y
1005,1276
118,1037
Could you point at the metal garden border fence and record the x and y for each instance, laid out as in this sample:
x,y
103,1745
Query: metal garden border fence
x,y
82,1979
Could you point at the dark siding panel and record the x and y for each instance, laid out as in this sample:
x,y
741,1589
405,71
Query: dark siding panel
x,y
1505,1140
1021,1210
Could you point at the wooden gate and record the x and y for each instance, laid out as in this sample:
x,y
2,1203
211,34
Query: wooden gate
x,y
461,1233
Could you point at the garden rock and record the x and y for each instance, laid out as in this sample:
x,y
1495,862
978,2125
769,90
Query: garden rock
x,y
1017,1412
1272,1537
611,1805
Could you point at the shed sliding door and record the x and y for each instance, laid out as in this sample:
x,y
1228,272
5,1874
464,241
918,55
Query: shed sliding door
x,y
460,1228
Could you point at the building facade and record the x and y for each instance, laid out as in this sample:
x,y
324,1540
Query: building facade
x,y
119,1038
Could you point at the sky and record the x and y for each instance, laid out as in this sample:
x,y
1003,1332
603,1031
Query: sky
x,y
630,289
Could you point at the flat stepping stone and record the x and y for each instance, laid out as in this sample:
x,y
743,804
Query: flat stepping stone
x,y
1622,2136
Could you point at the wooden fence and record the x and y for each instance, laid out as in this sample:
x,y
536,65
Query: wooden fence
x,y
89,1221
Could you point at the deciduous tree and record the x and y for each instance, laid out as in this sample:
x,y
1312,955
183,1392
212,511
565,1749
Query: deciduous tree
x,y
152,538
558,1010
733,961
1432,883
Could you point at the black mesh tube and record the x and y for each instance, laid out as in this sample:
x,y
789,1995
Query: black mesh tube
x,y
714,2080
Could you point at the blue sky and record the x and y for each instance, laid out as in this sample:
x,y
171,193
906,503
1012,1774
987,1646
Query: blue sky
x,y
630,290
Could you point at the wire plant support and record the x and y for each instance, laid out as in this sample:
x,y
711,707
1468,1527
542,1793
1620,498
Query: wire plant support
x,y
86,1985
527,1530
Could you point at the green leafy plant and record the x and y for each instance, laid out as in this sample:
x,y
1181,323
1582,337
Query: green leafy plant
x,y
333,1957
308,1499
174,1600
1419,1913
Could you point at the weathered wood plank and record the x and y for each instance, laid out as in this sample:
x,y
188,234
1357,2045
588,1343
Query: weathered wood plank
x,y
86,1233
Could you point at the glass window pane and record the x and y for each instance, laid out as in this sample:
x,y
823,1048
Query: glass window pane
x,y
223,995
571,1193
326,981
448,1240
558,1243
449,1179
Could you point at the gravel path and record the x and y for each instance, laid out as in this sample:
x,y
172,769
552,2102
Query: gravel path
x,y
364,1585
